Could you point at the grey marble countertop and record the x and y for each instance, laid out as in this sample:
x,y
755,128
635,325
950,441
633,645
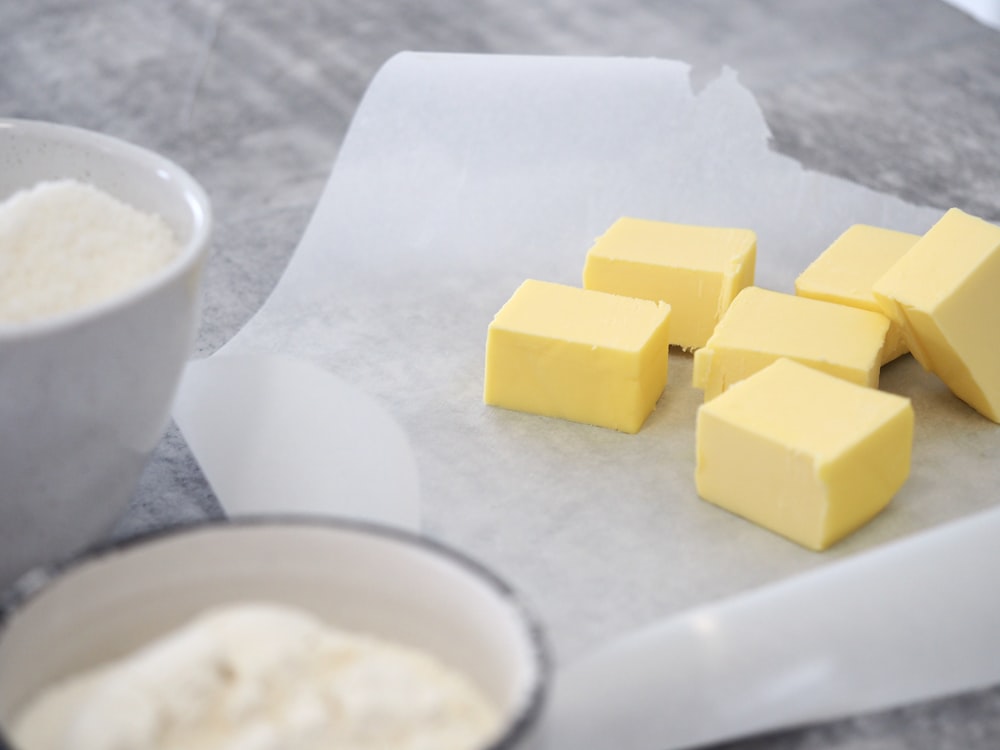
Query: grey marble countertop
x,y
254,97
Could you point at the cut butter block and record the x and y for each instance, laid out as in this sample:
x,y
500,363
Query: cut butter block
x,y
761,326
945,295
696,270
847,270
804,454
577,354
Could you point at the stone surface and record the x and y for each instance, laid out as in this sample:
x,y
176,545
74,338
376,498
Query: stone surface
x,y
254,97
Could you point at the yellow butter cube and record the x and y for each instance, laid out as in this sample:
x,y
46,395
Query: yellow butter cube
x,y
804,454
945,295
577,354
762,326
696,270
847,270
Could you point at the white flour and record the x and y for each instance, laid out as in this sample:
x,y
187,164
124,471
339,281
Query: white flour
x,y
66,245
261,677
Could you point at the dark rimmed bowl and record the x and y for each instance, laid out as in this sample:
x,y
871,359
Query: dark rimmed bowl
x,y
104,603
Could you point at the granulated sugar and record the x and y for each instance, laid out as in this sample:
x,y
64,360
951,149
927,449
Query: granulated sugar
x,y
65,245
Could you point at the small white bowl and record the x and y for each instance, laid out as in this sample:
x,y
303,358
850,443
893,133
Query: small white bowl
x,y
65,618
85,396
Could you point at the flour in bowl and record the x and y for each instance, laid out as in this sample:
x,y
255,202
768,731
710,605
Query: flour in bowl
x,y
65,245
260,676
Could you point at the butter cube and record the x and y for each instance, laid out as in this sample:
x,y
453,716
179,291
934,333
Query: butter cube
x,y
847,270
577,354
762,326
696,270
804,454
945,295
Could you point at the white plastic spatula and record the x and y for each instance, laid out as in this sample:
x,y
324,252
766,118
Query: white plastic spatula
x,y
275,434
907,622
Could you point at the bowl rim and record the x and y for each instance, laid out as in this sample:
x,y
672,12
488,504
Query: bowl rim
x,y
516,725
191,252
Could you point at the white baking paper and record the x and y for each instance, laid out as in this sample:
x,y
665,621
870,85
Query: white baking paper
x,y
463,175
908,621
275,433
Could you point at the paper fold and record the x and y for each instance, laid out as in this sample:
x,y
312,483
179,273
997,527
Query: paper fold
x,y
275,434
900,624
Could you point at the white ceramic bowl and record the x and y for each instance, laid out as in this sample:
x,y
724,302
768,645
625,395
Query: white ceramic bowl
x,y
67,618
85,396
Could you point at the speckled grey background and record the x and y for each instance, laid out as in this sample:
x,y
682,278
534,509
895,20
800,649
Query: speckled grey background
x,y
254,97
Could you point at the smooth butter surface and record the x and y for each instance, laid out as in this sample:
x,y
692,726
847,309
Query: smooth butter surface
x,y
577,354
697,270
762,326
847,270
945,295
804,454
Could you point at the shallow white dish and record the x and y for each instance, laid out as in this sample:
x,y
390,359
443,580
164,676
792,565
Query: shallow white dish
x,y
69,617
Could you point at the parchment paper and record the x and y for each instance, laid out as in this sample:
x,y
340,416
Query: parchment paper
x,y
463,175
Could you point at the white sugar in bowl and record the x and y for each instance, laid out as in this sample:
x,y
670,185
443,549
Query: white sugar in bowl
x,y
85,393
